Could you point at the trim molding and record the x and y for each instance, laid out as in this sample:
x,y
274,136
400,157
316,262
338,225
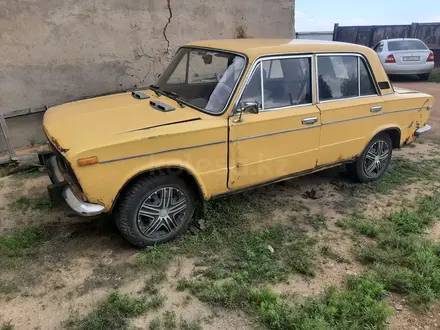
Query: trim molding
x,y
160,152
254,136
273,133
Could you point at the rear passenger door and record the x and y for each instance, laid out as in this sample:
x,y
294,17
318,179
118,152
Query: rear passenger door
x,y
283,138
350,105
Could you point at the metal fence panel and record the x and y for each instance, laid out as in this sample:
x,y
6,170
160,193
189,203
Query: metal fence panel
x,y
429,33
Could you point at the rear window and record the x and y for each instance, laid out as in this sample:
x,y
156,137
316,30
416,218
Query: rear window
x,y
406,45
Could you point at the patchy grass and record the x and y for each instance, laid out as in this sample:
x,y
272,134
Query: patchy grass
x,y
402,171
151,284
19,242
435,76
156,301
318,222
328,252
155,324
8,286
245,253
39,203
401,257
7,326
112,313
169,320
361,306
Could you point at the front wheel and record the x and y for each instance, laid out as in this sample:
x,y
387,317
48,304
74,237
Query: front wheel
x,y
374,160
155,210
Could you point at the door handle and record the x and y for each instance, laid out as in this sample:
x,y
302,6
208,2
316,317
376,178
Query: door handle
x,y
376,109
309,121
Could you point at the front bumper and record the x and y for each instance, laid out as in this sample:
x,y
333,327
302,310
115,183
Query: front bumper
x,y
423,130
59,188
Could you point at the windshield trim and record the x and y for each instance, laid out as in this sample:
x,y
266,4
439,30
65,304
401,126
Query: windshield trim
x,y
234,90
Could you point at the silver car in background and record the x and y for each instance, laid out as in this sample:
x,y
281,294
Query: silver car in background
x,y
406,57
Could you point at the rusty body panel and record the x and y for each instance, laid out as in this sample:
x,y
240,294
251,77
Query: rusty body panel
x,y
129,137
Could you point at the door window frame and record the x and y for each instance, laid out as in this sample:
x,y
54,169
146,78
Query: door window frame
x,y
277,57
360,57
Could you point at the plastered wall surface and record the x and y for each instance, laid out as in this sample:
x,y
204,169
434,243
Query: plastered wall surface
x,y
53,51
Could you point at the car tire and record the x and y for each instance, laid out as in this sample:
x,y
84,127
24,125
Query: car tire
x,y
374,160
424,77
147,214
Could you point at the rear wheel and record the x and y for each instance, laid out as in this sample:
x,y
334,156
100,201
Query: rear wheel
x,y
155,210
424,77
374,160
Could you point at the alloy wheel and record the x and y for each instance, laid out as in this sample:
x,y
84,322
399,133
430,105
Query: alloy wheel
x,y
376,159
162,212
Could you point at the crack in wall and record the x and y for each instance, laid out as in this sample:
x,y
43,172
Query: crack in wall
x,y
166,26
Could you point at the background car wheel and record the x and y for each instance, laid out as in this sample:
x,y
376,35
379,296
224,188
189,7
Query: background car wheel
x,y
424,77
155,210
374,160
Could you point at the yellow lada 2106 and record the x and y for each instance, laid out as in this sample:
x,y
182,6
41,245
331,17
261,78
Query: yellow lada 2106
x,y
225,116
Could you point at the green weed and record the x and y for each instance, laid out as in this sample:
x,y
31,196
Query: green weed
x,y
401,257
7,326
361,306
39,203
403,171
17,243
112,313
435,76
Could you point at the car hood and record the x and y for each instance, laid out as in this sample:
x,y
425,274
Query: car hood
x,y
103,120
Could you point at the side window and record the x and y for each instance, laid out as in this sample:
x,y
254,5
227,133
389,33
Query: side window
x,y
287,82
366,82
378,48
252,92
337,77
273,69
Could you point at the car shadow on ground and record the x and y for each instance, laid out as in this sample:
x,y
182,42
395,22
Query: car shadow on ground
x,y
404,78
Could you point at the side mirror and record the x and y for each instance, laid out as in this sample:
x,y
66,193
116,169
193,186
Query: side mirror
x,y
251,107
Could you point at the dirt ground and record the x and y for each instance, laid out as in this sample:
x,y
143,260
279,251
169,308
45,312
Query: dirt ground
x,y
85,259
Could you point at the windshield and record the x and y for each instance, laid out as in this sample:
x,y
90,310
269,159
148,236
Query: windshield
x,y
406,45
202,78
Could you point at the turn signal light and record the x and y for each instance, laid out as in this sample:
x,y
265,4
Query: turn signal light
x,y
88,161
390,59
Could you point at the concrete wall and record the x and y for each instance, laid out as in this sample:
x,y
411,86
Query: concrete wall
x,y
53,51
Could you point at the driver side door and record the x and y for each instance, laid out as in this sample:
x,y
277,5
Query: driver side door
x,y
283,138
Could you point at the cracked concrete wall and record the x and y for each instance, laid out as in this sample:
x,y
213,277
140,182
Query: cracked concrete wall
x,y
53,51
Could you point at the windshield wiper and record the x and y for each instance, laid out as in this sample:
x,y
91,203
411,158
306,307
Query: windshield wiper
x,y
175,97
155,89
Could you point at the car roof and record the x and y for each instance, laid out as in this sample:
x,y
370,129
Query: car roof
x,y
258,47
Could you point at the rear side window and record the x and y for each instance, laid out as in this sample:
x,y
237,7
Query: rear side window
x,y
337,77
406,45
366,82
341,77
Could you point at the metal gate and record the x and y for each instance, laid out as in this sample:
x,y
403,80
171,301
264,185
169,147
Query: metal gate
x,y
369,36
